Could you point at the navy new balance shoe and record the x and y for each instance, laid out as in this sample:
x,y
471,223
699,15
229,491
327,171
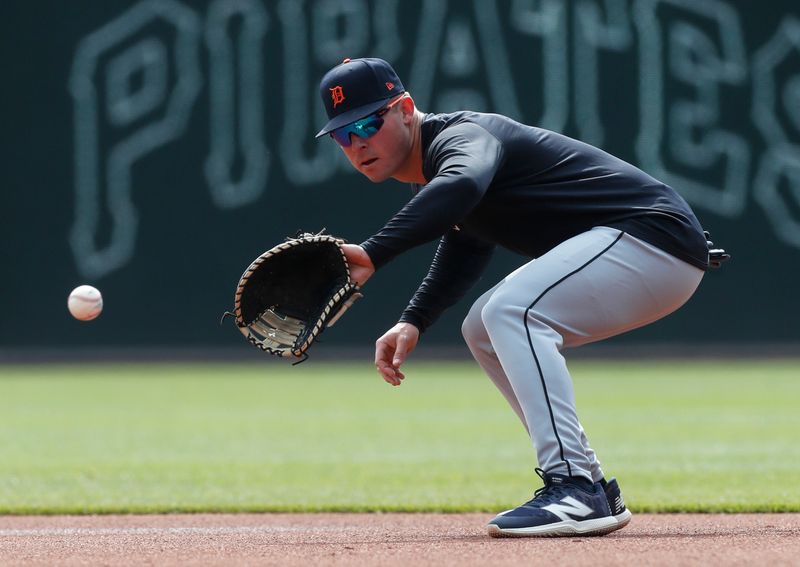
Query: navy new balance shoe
x,y
564,506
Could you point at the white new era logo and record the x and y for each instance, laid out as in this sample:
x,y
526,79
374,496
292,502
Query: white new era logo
x,y
568,507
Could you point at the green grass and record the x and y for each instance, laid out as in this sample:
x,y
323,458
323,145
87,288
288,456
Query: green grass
x,y
158,438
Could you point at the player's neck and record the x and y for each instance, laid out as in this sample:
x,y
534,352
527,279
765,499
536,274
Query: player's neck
x,y
411,171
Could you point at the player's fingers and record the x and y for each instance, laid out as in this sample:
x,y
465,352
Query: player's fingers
x,y
401,351
383,352
395,376
387,372
389,376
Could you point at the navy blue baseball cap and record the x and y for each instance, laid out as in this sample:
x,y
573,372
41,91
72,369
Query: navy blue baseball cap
x,y
356,88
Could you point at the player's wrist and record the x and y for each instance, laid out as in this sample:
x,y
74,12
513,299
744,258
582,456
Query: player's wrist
x,y
415,326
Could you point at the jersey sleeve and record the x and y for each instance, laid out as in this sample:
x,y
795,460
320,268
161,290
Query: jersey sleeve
x,y
464,159
458,264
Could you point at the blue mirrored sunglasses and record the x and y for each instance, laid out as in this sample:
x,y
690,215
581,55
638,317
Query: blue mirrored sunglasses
x,y
364,128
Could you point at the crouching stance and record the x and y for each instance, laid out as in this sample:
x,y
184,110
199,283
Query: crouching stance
x,y
607,249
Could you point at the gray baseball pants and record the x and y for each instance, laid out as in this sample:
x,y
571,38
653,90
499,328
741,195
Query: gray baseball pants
x,y
593,286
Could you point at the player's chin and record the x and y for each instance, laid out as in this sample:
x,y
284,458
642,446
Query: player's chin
x,y
374,174
375,178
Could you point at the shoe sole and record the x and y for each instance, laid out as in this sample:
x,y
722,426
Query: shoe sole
x,y
596,527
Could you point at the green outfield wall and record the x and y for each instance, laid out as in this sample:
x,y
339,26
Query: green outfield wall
x,y
153,148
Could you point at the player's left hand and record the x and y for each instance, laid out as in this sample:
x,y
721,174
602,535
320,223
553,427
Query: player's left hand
x,y
361,267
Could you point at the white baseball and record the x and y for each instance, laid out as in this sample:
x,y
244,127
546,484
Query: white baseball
x,y
85,303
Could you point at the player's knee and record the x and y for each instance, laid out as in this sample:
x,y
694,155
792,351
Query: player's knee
x,y
472,328
497,312
500,312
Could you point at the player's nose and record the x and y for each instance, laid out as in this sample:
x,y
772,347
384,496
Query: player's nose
x,y
358,142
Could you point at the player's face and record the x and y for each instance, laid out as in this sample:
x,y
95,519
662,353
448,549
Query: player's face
x,y
383,153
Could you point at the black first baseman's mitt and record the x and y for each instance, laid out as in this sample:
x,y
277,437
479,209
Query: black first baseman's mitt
x,y
293,292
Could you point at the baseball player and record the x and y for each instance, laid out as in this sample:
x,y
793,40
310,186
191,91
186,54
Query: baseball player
x,y
608,249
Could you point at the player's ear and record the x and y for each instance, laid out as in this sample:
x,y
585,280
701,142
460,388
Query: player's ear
x,y
407,108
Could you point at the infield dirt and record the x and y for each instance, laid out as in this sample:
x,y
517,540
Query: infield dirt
x,y
388,539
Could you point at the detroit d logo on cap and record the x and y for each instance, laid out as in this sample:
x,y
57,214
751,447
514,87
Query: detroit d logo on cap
x,y
337,95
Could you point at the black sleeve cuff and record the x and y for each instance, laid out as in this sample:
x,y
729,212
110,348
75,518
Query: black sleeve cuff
x,y
414,319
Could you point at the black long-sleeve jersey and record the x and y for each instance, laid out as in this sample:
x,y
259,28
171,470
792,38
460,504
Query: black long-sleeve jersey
x,y
493,181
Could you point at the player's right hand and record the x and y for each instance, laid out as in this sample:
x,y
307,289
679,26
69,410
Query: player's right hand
x,y
392,349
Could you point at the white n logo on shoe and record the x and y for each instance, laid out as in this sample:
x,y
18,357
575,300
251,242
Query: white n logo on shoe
x,y
570,507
